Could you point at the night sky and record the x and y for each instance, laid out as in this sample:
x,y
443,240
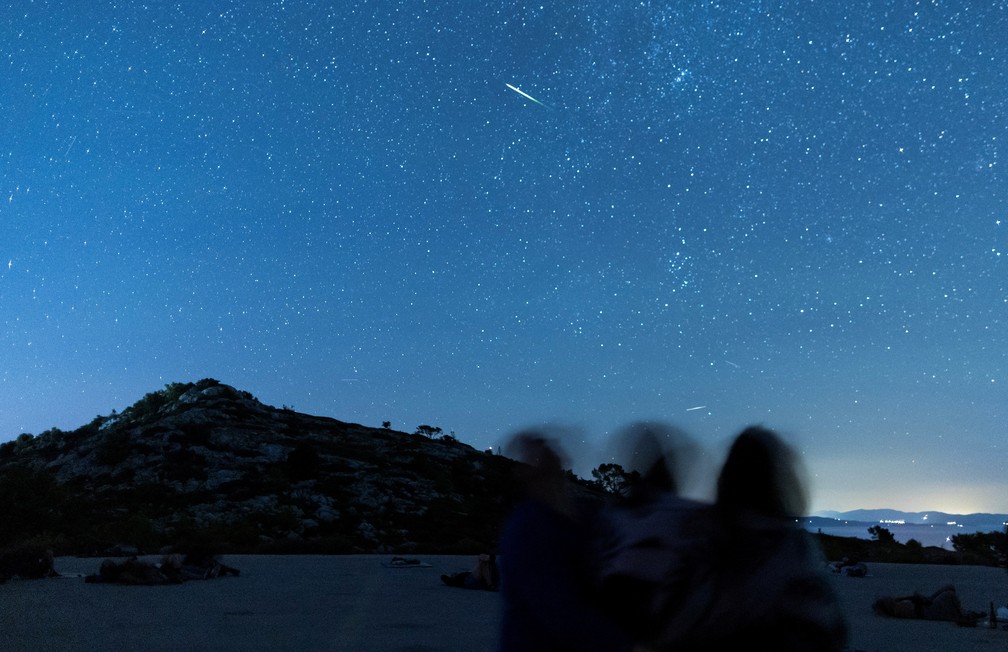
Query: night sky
x,y
703,214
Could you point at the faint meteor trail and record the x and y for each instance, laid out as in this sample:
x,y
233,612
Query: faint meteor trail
x,y
524,94
698,407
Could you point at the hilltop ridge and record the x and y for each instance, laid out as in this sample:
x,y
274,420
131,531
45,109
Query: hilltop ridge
x,y
208,462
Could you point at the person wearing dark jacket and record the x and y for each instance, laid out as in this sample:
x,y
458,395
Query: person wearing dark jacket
x,y
758,582
546,576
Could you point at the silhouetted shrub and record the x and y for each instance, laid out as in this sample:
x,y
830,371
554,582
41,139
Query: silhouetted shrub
x,y
882,535
148,407
613,479
427,431
913,551
206,383
981,547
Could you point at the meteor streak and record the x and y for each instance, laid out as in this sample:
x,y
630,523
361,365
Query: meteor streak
x,y
524,94
699,407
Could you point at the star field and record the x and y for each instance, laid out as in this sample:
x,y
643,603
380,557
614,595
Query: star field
x,y
788,214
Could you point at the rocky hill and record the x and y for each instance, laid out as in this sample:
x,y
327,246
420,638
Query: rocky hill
x,y
205,463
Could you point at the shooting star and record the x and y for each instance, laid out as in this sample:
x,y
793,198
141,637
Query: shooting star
x,y
524,94
698,407
733,364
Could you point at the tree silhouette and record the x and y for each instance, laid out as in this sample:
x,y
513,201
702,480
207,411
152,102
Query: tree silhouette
x,y
882,535
427,431
613,479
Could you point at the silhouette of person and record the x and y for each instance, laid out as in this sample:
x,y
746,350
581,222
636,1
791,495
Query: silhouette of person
x,y
546,576
639,538
758,581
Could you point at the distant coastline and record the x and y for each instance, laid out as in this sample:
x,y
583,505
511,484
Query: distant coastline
x,y
929,528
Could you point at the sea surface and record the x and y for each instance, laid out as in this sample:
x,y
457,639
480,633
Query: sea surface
x,y
930,534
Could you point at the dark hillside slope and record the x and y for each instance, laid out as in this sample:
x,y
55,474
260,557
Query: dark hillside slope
x,y
207,463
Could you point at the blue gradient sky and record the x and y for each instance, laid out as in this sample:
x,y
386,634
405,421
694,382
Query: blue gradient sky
x,y
785,213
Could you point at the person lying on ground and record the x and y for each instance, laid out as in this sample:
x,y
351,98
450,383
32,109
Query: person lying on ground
x,y
483,575
173,569
943,604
